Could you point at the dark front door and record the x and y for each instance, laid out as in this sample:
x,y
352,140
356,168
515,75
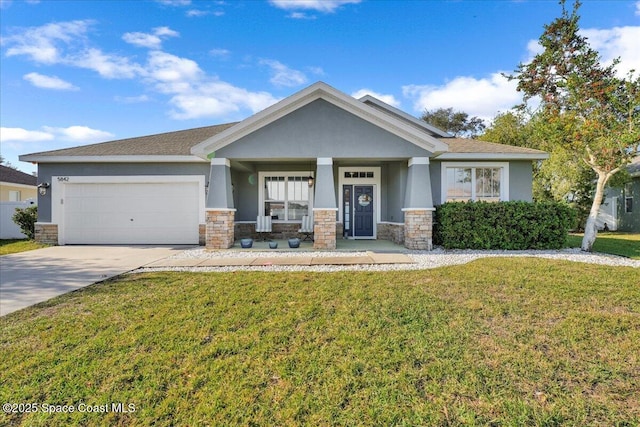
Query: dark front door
x,y
363,210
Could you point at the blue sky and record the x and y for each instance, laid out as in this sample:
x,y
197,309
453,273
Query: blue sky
x,y
78,72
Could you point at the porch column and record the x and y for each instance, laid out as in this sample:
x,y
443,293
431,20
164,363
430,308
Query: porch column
x,y
220,213
325,206
418,206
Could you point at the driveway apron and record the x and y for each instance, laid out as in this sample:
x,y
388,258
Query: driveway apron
x,y
31,277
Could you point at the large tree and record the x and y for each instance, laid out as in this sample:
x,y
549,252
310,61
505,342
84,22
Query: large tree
x,y
586,113
457,123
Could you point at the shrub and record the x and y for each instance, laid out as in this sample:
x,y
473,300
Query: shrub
x,y
26,219
504,225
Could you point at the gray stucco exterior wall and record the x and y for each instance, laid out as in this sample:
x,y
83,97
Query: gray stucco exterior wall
x,y
521,180
320,129
436,181
394,181
48,170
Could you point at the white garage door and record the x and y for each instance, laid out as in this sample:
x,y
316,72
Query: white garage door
x,y
131,213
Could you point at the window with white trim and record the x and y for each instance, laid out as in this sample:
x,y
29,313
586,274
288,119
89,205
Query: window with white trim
x,y
15,196
474,182
285,196
628,198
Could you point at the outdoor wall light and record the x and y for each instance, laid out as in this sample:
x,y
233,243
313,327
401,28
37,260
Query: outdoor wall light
x,y
42,188
310,179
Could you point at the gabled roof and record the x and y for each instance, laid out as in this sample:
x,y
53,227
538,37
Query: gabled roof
x,y
420,124
171,146
321,90
471,149
194,145
14,176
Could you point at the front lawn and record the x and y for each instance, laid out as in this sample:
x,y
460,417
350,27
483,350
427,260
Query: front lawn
x,y
625,244
518,341
12,246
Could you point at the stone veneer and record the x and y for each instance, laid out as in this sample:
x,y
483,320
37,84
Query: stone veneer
x,y
46,233
220,228
418,229
324,229
202,234
393,232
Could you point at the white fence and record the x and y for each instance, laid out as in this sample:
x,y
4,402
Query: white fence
x,y
8,228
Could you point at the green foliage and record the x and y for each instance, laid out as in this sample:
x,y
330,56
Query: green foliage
x,y
504,225
457,123
511,128
587,116
26,219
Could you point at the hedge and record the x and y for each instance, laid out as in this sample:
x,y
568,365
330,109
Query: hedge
x,y
504,225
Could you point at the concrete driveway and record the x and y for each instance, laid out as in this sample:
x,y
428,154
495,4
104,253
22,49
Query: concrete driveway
x,y
31,277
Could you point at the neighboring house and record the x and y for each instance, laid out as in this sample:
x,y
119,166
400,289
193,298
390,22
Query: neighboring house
x,y
17,190
16,186
361,168
621,207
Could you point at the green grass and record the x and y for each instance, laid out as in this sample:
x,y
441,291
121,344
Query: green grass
x,y
625,244
509,342
12,246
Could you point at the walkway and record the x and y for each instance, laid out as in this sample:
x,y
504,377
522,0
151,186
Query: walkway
x,y
371,258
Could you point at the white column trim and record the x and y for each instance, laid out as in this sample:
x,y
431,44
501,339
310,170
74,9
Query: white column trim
x,y
325,161
220,162
418,161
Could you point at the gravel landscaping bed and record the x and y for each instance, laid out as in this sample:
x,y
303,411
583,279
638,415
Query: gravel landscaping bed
x,y
422,259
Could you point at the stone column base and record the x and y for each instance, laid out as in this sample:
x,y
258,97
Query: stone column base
x,y
324,229
418,229
46,233
220,224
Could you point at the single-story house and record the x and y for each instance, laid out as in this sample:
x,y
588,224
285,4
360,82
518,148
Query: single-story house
x,y
620,209
16,186
359,168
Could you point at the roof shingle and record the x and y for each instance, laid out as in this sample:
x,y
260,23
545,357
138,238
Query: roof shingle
x,y
176,143
15,176
464,145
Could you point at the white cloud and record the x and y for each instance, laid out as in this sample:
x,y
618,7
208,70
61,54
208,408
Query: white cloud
x,y
78,133
196,13
218,98
477,97
389,99
175,2
107,65
165,32
48,82
318,71
151,41
167,68
638,8
617,42
23,135
192,93
41,44
326,6
132,99
283,76
220,53
300,15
